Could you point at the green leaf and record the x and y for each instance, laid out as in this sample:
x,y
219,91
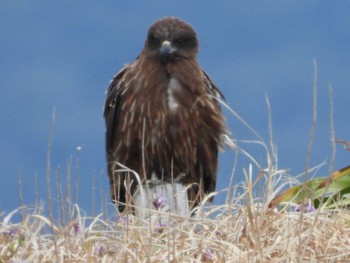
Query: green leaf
x,y
334,189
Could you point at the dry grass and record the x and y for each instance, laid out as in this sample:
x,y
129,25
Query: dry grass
x,y
243,229
237,233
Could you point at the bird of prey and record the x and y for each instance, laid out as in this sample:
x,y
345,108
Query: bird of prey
x,y
163,117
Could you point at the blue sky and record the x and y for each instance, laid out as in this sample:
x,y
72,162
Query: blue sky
x,y
62,54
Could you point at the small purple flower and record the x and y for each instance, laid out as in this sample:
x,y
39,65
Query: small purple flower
x,y
160,227
122,219
11,231
298,208
208,254
160,202
76,228
99,250
308,208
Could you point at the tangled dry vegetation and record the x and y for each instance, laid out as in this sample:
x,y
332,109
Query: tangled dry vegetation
x,y
241,230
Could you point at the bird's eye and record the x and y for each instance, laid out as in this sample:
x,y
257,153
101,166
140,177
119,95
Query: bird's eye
x,y
179,41
153,40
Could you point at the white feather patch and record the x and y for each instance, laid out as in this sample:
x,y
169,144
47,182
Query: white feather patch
x,y
173,85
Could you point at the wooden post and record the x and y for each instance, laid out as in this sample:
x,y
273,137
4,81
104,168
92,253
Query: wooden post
x,y
161,196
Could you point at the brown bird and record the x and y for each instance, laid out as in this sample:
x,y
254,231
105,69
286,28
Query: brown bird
x,y
163,117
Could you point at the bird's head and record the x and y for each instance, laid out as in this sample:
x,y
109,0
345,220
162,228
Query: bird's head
x,y
171,39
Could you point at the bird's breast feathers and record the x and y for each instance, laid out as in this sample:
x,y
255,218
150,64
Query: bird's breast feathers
x,y
171,108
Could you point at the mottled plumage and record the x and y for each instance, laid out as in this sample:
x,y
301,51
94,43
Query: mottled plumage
x,y
162,115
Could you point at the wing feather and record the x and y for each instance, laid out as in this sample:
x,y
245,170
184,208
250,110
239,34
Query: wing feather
x,y
112,108
212,88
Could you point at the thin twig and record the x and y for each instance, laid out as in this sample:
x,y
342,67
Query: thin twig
x,y
270,161
48,178
77,175
308,156
20,193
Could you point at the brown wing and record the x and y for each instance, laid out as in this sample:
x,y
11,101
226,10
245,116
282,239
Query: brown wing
x,y
211,132
112,110
212,88
112,116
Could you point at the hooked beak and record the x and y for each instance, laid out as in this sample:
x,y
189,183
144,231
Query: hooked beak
x,y
166,48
